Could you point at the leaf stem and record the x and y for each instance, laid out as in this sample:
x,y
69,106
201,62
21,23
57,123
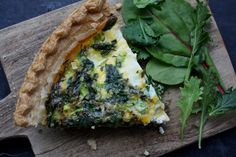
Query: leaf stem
x,y
141,26
191,57
203,119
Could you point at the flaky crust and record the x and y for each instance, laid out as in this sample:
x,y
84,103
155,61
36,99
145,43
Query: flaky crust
x,y
81,25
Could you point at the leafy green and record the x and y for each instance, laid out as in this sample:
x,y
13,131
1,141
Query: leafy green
x,y
175,60
142,54
198,39
170,27
226,102
206,59
190,94
144,3
139,32
172,35
130,12
176,17
199,36
164,73
159,88
209,98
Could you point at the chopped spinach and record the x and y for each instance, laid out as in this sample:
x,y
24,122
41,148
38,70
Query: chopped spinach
x,y
105,48
80,99
116,85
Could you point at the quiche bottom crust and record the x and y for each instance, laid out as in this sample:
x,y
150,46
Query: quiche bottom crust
x,y
72,34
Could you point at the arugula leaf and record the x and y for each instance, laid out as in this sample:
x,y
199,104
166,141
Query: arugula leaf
x,y
198,40
209,98
199,36
165,73
190,94
213,103
144,3
140,33
211,66
226,102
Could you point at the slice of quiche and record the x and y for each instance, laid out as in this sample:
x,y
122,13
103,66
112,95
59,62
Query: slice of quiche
x,y
85,75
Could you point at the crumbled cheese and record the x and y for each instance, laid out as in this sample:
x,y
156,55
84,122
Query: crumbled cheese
x,y
161,130
146,153
93,127
92,143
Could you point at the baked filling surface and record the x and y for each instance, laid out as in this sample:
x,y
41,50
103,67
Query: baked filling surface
x,y
103,85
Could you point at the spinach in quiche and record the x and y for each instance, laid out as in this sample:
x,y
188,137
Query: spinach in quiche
x,y
103,86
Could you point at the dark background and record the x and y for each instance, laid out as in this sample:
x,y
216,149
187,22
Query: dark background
x,y
224,11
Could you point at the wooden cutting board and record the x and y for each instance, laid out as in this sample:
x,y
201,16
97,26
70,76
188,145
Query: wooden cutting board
x,y
18,45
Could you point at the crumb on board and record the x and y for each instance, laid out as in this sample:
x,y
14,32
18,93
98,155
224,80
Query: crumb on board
x,y
93,127
118,6
146,153
92,143
161,130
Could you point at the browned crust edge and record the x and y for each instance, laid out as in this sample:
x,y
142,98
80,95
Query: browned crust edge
x,y
31,84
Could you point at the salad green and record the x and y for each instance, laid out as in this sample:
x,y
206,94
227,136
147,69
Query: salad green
x,y
170,37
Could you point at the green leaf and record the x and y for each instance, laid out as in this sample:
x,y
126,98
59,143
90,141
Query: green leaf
x,y
142,54
144,3
196,110
169,43
159,88
130,12
175,60
199,37
209,98
164,73
211,66
226,102
177,17
190,94
140,33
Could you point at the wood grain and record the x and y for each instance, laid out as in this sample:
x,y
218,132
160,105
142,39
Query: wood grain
x,y
18,45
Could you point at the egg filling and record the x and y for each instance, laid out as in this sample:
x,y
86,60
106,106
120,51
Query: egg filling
x,y
104,86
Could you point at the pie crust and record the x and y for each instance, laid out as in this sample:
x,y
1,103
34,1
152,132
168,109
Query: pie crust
x,y
84,23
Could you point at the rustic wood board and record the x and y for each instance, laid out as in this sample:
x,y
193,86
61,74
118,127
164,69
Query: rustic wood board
x,y
18,45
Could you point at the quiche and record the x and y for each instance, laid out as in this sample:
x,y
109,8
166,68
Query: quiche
x,y
85,75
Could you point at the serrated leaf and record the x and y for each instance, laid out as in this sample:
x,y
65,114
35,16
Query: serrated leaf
x,y
209,98
226,102
190,94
